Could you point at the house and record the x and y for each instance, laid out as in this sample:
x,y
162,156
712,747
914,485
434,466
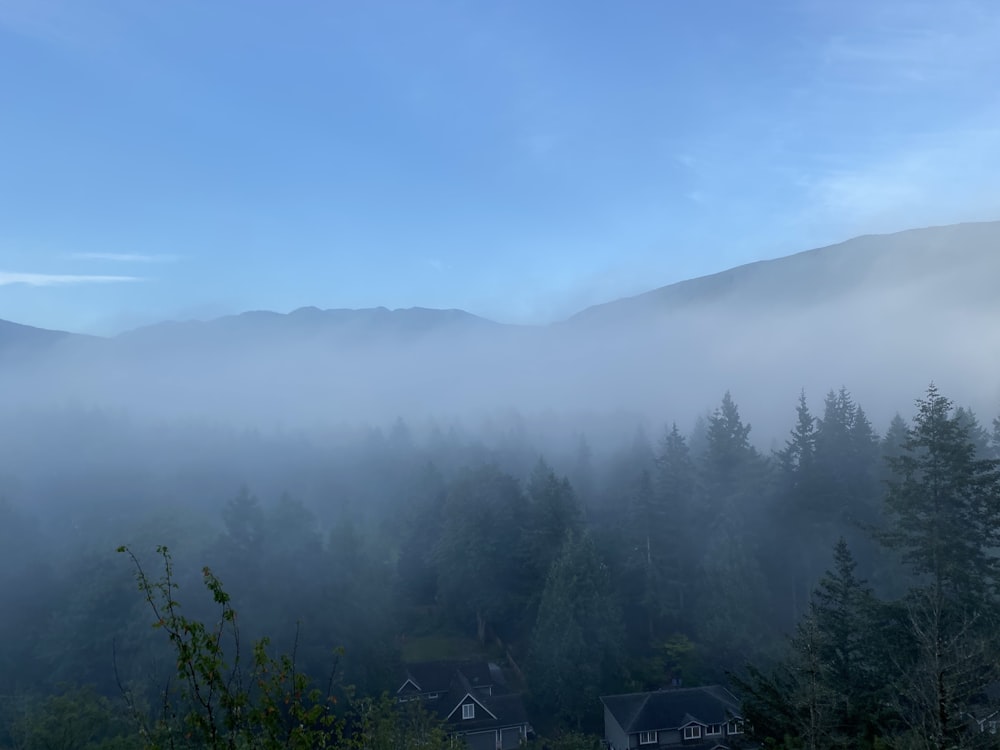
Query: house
x,y
984,712
698,718
988,722
472,699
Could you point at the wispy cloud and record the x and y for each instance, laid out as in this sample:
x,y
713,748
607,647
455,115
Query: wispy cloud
x,y
8,278
918,43
437,264
940,179
126,257
61,23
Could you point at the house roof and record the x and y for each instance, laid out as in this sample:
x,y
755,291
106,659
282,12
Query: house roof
x,y
672,709
438,676
456,683
504,711
460,686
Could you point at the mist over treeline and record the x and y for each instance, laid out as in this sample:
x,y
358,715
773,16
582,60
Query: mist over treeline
x,y
669,489
882,314
622,559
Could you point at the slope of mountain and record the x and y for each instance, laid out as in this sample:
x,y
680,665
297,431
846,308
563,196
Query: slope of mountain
x,y
960,262
337,327
22,340
881,315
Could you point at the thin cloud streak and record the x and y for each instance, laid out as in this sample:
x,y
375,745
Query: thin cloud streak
x,y
126,257
8,278
917,43
943,179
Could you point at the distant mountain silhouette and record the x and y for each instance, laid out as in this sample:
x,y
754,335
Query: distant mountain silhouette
x,y
883,315
960,259
328,327
17,339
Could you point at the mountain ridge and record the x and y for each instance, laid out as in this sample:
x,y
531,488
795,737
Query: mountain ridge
x,y
881,314
18,338
839,264
834,257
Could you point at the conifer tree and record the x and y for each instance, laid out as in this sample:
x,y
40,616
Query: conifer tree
x,y
576,652
943,505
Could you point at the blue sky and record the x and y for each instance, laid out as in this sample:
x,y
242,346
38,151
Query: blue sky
x,y
520,159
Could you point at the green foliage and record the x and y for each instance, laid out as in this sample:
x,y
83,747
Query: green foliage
x,y
799,453
71,719
943,504
577,642
728,450
478,576
220,702
383,724
553,512
907,673
825,692
673,660
706,550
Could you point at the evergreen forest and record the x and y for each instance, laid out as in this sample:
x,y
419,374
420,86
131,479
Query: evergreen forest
x,y
189,586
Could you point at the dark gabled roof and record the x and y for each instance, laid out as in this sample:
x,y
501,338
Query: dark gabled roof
x,y
492,712
461,689
672,709
455,683
439,676
504,711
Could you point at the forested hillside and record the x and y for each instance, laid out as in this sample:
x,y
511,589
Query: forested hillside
x,y
844,581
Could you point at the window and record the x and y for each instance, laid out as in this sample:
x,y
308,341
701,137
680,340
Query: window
x,y
713,729
647,738
735,727
692,732
469,711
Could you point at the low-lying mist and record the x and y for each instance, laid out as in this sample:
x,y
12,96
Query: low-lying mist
x,y
881,316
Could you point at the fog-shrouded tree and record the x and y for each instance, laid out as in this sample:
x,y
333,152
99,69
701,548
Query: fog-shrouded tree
x,y
978,434
793,507
728,453
943,506
675,487
847,458
797,458
582,472
478,577
27,581
552,513
732,490
943,511
826,693
577,643
891,445
69,718
421,518
995,438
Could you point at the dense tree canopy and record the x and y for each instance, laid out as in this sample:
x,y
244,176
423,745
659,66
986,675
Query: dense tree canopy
x,y
598,565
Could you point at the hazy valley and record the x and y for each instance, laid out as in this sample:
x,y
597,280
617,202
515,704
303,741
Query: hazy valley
x,y
882,315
